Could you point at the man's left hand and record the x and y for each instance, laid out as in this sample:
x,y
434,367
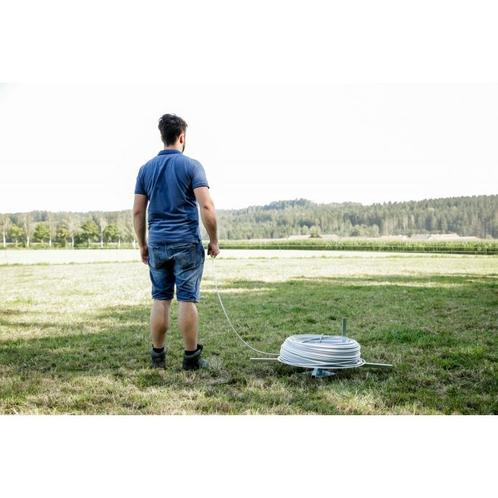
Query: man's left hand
x,y
144,254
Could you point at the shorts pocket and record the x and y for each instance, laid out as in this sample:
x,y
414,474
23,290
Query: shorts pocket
x,y
186,256
152,256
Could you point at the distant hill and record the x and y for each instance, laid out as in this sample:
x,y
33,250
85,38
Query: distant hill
x,y
466,216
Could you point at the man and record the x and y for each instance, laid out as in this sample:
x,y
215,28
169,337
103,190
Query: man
x,y
173,185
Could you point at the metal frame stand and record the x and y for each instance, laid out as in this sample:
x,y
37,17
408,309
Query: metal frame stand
x,y
320,373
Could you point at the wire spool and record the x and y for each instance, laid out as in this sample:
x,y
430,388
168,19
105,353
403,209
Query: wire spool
x,y
321,351
318,352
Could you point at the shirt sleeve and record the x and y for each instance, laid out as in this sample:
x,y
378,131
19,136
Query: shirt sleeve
x,y
139,185
198,175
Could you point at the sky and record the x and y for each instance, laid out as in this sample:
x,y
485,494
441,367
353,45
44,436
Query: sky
x,y
79,147
333,102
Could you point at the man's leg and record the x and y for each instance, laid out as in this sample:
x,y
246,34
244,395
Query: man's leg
x,y
189,264
188,322
159,321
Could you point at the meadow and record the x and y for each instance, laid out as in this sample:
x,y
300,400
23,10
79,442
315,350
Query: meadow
x,y
74,334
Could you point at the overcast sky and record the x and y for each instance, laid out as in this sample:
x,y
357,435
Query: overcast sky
x,y
331,101
79,147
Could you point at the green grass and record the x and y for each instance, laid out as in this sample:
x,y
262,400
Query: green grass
x,y
481,246
74,338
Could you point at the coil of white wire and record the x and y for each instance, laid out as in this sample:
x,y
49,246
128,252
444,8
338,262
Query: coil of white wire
x,y
321,351
310,351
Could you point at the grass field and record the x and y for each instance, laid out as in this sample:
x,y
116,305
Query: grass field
x,y
74,337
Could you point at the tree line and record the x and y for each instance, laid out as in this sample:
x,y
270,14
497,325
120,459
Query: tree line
x,y
467,216
470,215
67,229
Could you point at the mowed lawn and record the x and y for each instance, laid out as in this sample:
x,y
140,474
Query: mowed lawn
x,y
74,337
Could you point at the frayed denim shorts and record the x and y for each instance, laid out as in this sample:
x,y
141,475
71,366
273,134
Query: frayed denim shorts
x,y
179,263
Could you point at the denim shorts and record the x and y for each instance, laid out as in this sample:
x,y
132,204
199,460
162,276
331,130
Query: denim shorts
x,y
179,263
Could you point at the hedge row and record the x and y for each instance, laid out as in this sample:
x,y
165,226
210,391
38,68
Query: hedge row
x,y
443,246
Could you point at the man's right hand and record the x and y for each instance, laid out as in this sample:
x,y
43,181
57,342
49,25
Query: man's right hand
x,y
213,249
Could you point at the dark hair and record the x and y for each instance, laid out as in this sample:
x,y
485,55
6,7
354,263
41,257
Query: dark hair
x,y
171,126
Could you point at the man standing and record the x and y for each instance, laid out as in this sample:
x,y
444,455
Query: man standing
x,y
172,184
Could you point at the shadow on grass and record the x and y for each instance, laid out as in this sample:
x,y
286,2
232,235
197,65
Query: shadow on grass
x,y
442,339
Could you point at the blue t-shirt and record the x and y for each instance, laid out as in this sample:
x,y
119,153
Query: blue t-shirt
x,y
168,180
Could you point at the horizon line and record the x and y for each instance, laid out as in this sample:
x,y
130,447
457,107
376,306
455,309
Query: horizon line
x,y
262,205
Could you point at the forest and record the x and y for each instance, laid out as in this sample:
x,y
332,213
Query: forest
x,y
466,216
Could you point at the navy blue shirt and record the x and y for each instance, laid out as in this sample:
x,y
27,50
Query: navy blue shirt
x,y
168,180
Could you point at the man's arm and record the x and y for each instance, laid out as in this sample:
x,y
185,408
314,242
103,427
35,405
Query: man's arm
x,y
139,210
208,215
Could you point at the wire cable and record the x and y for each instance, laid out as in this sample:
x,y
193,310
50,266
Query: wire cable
x,y
309,350
228,319
321,351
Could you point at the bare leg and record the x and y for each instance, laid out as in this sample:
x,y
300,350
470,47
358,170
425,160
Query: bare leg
x,y
159,321
188,322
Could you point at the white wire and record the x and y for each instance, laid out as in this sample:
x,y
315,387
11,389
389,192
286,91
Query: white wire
x,y
308,350
321,351
228,319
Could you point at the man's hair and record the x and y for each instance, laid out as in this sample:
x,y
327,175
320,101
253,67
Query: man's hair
x,y
171,126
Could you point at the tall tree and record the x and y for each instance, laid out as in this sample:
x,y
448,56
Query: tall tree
x,y
42,232
73,224
52,228
121,224
27,221
130,230
5,224
16,233
62,234
111,233
90,231
102,226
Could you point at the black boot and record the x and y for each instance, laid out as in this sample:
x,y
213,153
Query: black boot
x,y
157,360
193,361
